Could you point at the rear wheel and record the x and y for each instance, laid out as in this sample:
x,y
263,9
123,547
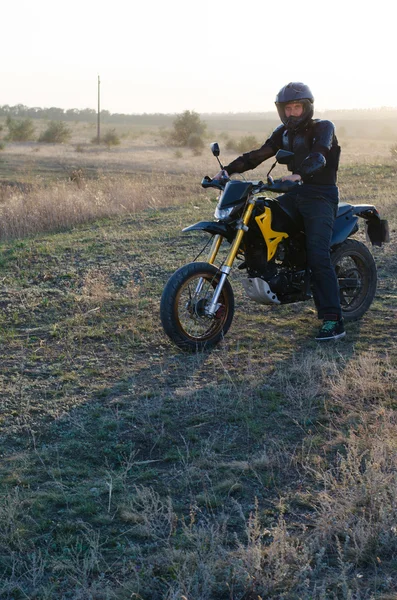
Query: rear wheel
x,y
183,307
356,272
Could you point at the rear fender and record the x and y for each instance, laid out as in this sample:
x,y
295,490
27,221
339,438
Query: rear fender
x,y
376,229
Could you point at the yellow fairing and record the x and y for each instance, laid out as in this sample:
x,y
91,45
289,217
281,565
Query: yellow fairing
x,y
272,238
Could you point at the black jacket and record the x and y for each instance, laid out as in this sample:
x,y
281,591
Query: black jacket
x,y
316,152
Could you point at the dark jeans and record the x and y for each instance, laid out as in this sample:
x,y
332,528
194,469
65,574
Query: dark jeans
x,y
317,205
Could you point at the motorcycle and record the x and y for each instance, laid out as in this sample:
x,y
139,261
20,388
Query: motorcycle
x,y
197,304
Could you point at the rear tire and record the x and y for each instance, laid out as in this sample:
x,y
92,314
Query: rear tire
x,y
182,307
357,276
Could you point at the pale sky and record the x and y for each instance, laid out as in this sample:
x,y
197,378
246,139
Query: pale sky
x,y
167,56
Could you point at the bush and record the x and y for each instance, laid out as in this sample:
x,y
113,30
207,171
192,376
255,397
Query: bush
x,y
232,144
57,132
20,130
245,144
196,143
186,125
393,151
111,138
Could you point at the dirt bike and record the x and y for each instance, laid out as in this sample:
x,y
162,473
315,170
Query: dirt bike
x,y
197,304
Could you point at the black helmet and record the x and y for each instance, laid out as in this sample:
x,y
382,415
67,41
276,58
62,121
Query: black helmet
x,y
295,92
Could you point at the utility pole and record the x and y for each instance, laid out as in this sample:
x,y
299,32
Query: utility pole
x,y
99,112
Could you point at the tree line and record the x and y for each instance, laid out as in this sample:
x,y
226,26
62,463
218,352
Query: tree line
x,y
166,120
20,111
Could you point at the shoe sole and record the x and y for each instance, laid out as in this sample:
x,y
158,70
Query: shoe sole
x,y
331,337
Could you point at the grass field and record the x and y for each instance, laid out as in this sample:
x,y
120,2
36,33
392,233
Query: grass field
x,y
263,469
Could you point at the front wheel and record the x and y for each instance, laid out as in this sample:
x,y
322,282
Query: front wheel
x,y
356,272
183,305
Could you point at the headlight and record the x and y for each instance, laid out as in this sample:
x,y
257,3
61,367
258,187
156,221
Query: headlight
x,y
223,213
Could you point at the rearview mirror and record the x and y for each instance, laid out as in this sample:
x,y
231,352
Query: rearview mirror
x,y
284,157
215,149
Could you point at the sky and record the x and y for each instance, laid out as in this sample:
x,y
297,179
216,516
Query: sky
x,y
175,55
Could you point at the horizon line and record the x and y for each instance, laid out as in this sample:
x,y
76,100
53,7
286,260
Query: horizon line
x,y
214,113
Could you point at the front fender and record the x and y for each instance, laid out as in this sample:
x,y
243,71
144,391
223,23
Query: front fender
x,y
214,228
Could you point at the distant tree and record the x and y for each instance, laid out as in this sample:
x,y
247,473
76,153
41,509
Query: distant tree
x,y
20,110
87,114
393,151
72,114
56,133
20,130
53,113
186,125
5,110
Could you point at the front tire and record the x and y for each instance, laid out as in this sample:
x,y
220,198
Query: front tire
x,y
183,303
357,276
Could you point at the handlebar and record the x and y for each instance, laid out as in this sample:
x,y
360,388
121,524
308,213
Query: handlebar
x,y
271,186
280,186
207,182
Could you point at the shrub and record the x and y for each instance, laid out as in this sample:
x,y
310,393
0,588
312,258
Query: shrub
x,y
111,138
186,125
20,130
57,132
232,144
196,143
245,144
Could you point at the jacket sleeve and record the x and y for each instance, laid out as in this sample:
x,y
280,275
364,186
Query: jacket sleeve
x,y
250,160
324,137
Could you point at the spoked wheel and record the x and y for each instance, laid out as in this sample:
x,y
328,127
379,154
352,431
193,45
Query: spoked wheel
x,y
183,307
356,272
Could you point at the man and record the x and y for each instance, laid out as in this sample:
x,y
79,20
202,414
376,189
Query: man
x,y
315,164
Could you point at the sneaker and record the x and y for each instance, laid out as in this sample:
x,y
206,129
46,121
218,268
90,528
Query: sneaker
x,y
331,330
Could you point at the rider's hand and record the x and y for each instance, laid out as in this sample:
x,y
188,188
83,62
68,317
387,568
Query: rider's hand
x,y
295,177
221,175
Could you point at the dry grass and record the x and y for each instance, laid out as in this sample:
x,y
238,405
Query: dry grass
x,y
67,204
